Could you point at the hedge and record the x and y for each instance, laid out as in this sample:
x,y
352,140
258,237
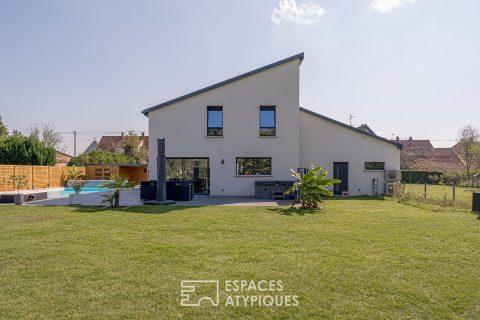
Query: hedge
x,y
414,176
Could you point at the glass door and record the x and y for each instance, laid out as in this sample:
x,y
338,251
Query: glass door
x,y
195,170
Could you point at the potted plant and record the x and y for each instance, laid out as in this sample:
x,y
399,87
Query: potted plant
x,y
118,183
18,181
75,176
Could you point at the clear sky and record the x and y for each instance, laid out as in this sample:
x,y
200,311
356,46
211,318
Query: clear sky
x,y
404,67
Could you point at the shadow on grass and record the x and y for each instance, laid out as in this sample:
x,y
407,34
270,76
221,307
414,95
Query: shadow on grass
x,y
143,209
295,211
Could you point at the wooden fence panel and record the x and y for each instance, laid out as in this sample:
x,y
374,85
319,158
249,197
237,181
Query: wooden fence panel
x,y
41,177
56,177
37,176
5,173
24,171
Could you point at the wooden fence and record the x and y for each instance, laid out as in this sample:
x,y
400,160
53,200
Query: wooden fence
x,y
37,176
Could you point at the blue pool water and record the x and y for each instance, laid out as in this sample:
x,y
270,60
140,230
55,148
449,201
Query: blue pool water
x,y
66,191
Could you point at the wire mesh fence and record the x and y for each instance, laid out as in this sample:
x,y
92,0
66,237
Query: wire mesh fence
x,y
441,195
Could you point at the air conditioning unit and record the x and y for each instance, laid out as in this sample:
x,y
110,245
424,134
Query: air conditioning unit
x,y
392,188
393,175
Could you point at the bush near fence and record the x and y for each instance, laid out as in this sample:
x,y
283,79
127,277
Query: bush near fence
x,y
37,176
414,176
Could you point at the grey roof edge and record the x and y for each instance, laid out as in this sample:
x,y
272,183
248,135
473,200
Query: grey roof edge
x,y
299,56
313,113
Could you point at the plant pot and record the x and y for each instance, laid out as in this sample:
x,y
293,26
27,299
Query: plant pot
x,y
74,199
18,199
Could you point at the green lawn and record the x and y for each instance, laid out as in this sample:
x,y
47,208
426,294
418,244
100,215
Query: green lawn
x,y
356,259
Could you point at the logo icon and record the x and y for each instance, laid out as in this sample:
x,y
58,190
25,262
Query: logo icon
x,y
196,292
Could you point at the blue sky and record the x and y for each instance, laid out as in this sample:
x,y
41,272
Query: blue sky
x,y
404,67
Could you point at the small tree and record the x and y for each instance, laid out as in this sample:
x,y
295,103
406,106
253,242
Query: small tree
x,y
76,176
119,183
18,181
48,134
469,138
3,129
132,147
311,186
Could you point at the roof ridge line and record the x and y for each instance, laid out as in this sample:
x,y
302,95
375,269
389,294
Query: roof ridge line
x,y
321,116
299,56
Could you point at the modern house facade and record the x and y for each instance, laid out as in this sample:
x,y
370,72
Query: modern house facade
x,y
251,128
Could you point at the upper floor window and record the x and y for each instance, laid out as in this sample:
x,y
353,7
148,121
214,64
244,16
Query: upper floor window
x,y
267,121
214,121
375,166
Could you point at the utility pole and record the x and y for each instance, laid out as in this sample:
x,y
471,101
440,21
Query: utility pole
x,y
74,143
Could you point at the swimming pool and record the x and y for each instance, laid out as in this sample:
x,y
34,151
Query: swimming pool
x,y
66,191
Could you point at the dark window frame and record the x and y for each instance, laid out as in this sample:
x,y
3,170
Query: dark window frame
x,y
253,174
366,168
210,129
265,129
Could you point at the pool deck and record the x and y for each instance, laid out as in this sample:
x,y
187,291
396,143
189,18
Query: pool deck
x,y
132,198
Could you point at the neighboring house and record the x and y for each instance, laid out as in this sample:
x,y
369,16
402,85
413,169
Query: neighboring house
x,y
113,143
62,159
366,128
421,155
91,147
251,128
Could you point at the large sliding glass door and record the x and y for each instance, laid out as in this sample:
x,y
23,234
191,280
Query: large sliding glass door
x,y
196,170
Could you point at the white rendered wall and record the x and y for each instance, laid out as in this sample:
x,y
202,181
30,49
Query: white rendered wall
x,y
184,126
323,142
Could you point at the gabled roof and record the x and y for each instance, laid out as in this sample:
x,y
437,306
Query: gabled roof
x,y
410,143
272,65
91,147
421,155
109,142
398,145
366,128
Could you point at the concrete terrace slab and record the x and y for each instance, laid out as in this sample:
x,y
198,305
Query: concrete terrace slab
x,y
132,198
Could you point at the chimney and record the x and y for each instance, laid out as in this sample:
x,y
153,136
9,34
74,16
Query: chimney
x,y
410,138
143,134
122,134
397,138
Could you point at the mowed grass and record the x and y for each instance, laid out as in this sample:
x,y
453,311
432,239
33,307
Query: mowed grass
x,y
441,192
355,259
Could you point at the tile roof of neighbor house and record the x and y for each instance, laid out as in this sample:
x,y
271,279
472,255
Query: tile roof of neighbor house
x,y
62,158
299,56
421,155
313,113
109,142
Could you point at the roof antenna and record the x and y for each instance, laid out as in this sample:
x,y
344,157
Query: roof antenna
x,y
350,117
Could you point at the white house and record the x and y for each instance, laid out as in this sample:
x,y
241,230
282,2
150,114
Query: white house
x,y
250,128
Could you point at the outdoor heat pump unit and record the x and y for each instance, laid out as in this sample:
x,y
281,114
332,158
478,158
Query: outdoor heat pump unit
x,y
393,175
391,188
